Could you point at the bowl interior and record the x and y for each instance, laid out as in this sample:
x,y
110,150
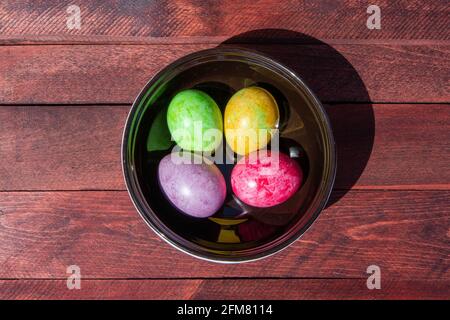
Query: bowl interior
x,y
237,231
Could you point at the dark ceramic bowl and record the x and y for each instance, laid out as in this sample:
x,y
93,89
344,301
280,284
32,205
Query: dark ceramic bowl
x,y
237,232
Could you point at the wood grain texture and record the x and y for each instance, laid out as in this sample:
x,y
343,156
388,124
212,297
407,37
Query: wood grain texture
x,y
405,233
224,289
78,147
61,147
84,74
203,21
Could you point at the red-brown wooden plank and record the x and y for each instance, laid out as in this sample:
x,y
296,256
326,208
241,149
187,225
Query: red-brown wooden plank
x,y
223,289
405,233
409,141
200,20
78,147
115,74
66,148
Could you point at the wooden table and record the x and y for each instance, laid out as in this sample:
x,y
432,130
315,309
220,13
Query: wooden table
x,y
65,94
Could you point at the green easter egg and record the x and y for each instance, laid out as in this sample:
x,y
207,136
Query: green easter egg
x,y
195,121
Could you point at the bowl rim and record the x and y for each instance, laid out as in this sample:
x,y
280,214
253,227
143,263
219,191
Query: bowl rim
x,y
325,188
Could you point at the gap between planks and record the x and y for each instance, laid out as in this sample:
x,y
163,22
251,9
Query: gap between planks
x,y
186,278
98,40
129,104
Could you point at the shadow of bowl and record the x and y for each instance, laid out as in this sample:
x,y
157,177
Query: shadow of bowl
x,y
337,85
228,236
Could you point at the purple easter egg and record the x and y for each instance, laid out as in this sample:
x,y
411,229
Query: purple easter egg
x,y
193,184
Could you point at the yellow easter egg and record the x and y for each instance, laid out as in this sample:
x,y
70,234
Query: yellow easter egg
x,y
250,116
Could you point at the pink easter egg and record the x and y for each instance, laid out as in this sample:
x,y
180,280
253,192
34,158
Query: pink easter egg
x,y
265,180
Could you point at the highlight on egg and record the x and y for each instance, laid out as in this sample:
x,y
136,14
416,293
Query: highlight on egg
x,y
195,121
266,179
251,116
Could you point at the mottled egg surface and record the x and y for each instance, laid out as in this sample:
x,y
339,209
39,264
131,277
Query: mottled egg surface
x,y
266,179
196,188
195,121
250,114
